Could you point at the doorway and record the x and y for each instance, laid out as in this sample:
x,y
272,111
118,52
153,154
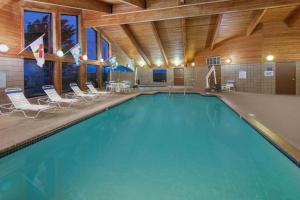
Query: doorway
x,y
286,78
179,76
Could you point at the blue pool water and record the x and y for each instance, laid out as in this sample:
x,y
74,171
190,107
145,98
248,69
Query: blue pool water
x,y
155,147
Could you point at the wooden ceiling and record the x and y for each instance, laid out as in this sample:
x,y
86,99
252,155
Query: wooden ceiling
x,y
172,32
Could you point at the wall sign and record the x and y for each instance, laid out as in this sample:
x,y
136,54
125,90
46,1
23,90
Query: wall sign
x,y
2,79
268,73
242,75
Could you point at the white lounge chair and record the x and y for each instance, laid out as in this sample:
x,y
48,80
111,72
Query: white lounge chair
x,y
55,98
229,86
21,104
125,86
80,94
93,90
6,109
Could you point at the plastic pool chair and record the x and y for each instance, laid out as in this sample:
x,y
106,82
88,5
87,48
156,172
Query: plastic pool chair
x,y
55,98
80,94
21,104
125,86
93,90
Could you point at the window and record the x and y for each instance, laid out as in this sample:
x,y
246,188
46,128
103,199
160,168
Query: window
x,y
91,41
35,25
35,77
105,49
69,32
69,75
213,60
159,75
92,74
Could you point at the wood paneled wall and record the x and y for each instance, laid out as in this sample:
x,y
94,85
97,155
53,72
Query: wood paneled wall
x,y
273,38
10,26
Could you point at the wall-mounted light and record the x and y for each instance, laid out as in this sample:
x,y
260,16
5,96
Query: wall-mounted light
x,y
158,63
193,64
270,58
177,62
228,60
4,48
142,64
60,53
102,60
85,57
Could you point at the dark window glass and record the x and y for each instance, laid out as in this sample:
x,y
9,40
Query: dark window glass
x,y
91,40
35,25
69,75
159,75
69,32
35,77
105,49
92,74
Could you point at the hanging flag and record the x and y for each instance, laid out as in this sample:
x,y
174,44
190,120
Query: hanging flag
x,y
77,54
37,48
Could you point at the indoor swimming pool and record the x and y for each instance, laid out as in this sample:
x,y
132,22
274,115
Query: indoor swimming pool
x,y
153,147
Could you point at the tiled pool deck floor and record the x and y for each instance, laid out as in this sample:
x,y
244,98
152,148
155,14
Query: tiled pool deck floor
x,y
278,115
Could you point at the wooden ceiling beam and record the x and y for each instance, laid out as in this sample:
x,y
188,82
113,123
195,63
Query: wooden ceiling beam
x,y
85,5
184,40
187,10
112,42
159,42
254,23
135,43
137,3
293,17
215,31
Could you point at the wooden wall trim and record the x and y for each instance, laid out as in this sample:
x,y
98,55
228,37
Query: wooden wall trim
x,y
135,43
187,10
293,18
159,42
256,20
86,4
216,31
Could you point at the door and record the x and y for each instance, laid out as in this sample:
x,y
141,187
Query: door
x,y
179,76
286,78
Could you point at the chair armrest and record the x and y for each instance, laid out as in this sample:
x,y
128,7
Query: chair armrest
x,y
7,107
44,100
70,96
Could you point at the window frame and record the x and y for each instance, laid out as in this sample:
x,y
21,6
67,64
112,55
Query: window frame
x,y
109,46
97,45
52,78
27,54
51,36
79,28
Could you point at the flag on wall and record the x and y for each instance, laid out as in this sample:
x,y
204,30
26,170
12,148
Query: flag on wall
x,y
77,54
37,48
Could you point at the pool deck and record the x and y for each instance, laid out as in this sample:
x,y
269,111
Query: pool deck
x,y
276,116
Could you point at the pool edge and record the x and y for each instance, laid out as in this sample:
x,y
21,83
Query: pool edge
x,y
290,151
